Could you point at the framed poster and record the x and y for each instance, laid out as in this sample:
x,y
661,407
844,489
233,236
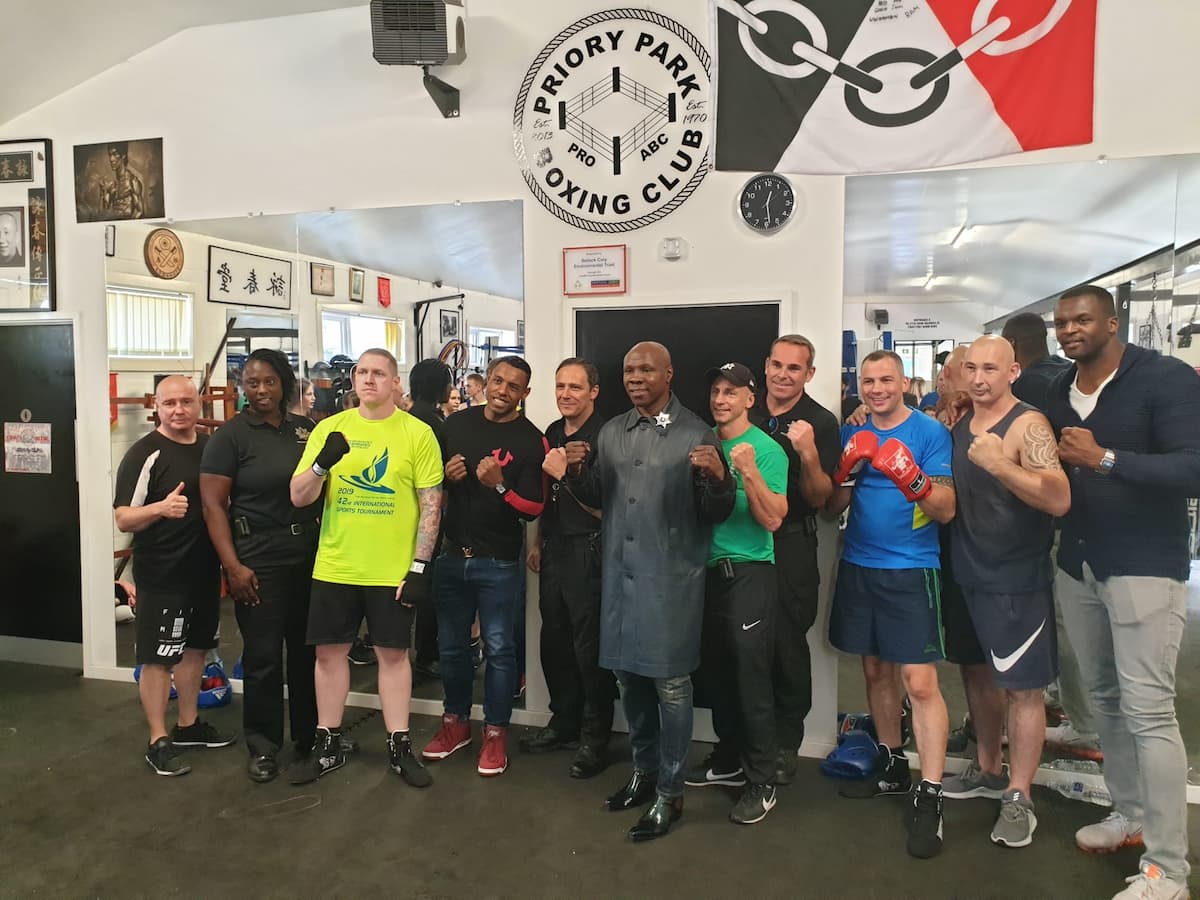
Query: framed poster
x,y
320,279
358,280
385,291
26,226
119,180
247,279
594,270
449,324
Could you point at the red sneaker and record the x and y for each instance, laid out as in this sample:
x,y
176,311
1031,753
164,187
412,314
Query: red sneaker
x,y
454,734
493,757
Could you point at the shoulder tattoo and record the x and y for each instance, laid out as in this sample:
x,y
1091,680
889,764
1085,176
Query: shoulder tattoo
x,y
1041,451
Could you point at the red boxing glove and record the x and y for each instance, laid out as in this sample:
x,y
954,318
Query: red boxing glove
x,y
862,447
895,460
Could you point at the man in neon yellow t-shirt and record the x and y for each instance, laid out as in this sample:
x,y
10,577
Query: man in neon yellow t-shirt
x,y
738,637
381,470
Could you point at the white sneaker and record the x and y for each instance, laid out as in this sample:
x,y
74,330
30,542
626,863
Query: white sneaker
x,y
1151,884
1065,739
1108,836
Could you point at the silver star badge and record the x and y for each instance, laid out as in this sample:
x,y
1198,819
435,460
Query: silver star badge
x,y
663,419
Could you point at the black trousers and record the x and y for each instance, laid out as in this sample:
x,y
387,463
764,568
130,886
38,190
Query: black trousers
x,y
581,693
425,632
799,589
281,618
737,648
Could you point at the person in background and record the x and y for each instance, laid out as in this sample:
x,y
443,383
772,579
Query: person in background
x,y
176,570
1027,332
303,399
452,403
475,393
349,400
267,548
916,387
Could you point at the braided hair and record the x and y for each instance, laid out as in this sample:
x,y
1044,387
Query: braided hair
x,y
278,361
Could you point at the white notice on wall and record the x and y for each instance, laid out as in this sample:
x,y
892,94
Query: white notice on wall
x,y
27,447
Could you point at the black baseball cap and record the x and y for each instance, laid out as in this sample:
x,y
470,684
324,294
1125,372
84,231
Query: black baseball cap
x,y
733,372
941,358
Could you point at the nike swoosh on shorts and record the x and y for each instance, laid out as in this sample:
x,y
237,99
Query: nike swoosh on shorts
x,y
751,625
1004,663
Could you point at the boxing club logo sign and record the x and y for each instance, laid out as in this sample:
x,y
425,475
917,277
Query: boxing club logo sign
x,y
610,125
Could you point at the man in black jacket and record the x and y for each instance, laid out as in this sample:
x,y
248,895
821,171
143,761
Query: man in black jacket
x,y
1129,426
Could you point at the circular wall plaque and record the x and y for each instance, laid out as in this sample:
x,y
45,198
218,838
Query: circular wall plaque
x,y
164,253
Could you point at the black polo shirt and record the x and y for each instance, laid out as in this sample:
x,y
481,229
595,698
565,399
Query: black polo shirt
x,y
261,459
431,416
826,435
563,515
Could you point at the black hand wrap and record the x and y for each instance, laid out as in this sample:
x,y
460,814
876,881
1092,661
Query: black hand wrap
x,y
335,448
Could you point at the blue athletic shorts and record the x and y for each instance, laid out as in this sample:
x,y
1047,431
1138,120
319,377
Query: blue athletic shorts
x,y
894,614
1018,635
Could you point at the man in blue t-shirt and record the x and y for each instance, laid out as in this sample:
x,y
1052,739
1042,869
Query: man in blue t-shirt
x,y
894,476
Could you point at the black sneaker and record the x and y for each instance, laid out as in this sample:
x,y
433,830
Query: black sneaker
x,y
164,760
361,653
200,735
477,652
327,755
924,821
714,771
548,740
892,778
404,763
756,801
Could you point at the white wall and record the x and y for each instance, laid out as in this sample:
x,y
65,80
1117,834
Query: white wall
x,y
293,114
957,320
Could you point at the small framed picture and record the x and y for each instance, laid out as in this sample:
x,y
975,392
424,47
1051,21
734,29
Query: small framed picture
x,y
358,280
449,325
12,237
320,279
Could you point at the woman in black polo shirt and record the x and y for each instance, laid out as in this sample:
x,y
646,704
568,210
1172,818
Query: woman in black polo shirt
x,y
267,548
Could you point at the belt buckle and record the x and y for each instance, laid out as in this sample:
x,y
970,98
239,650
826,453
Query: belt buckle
x,y
296,528
467,552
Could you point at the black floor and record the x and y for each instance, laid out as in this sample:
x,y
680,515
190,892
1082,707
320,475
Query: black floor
x,y
83,816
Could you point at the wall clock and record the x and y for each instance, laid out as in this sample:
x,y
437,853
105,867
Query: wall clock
x,y
767,203
163,252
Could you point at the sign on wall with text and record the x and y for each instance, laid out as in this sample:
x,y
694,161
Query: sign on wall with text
x,y
247,279
848,86
610,125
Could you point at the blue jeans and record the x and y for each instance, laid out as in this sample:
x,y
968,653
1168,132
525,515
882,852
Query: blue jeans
x,y
1131,628
461,588
659,712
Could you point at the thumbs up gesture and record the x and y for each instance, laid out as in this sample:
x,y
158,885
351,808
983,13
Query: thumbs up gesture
x,y
174,505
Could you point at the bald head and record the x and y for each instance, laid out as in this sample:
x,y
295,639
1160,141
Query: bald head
x,y
647,376
178,408
174,384
989,370
659,353
950,379
990,347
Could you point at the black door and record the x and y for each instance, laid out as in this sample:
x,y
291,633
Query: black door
x,y
39,514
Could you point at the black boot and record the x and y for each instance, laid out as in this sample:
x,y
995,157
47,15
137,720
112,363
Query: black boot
x,y
638,790
658,819
590,760
548,740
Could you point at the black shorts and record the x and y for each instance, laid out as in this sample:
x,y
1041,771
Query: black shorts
x,y
170,620
962,644
1018,633
335,612
893,614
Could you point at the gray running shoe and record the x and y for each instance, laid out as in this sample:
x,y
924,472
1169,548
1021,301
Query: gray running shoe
x,y
1016,823
975,783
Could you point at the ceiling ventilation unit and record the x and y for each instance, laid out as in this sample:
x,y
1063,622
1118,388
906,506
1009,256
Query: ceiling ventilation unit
x,y
422,33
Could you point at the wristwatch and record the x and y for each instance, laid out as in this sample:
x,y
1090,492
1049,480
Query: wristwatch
x,y
501,490
1106,463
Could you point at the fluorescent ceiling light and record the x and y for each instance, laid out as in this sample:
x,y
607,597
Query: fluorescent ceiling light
x,y
962,236
928,285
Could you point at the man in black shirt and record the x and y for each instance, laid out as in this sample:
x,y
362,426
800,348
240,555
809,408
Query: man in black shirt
x,y
494,483
175,567
809,434
1027,334
566,551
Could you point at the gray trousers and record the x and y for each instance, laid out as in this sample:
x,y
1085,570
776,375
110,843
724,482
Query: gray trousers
x,y
1128,630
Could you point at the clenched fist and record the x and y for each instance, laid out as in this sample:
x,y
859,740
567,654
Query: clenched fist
x,y
800,435
456,468
576,454
488,472
707,462
174,505
743,458
1078,447
987,451
555,464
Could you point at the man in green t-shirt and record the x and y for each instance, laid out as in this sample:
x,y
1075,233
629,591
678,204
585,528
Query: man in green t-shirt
x,y
381,471
737,640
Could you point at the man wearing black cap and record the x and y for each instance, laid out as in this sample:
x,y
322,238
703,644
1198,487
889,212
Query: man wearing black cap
x,y
737,644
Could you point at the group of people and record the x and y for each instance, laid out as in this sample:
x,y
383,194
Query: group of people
x,y
674,554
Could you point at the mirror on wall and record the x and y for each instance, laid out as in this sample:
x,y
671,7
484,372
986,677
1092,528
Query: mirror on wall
x,y
934,259
441,281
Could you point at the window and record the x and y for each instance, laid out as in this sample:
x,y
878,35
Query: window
x,y
487,344
147,324
350,335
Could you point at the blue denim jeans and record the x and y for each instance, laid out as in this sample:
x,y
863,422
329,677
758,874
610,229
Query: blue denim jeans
x,y
461,588
1131,628
659,712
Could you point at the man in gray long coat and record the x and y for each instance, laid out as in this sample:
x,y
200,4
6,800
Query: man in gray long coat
x,y
662,482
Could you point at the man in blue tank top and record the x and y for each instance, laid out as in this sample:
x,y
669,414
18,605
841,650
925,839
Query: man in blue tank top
x,y
1009,486
894,476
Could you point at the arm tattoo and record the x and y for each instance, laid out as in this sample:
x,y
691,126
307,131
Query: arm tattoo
x,y
430,523
1041,452
943,480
